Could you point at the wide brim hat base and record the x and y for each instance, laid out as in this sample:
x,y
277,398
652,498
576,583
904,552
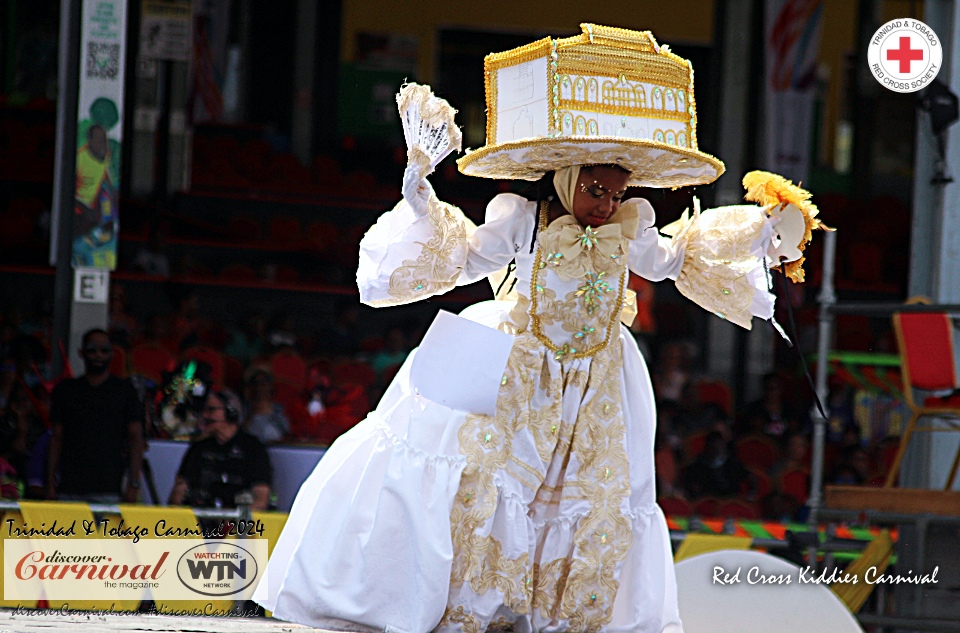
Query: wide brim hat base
x,y
651,163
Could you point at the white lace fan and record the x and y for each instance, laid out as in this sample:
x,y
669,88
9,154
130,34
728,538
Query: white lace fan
x,y
428,126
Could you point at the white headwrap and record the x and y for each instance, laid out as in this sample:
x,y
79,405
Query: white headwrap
x,y
565,182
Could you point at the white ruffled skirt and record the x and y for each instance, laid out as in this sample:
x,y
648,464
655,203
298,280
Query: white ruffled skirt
x,y
422,518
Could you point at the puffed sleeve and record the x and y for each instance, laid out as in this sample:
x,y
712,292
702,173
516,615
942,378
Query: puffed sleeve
x,y
507,226
406,257
651,255
724,261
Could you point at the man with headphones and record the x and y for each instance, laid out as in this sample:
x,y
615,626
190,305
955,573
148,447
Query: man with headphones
x,y
226,462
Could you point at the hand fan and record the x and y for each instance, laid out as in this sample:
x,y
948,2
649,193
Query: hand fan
x,y
428,126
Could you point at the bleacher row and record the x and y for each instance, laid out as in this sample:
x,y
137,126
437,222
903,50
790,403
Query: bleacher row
x,y
294,380
223,162
759,455
294,250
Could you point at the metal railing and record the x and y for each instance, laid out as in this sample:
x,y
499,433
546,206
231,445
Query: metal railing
x,y
829,308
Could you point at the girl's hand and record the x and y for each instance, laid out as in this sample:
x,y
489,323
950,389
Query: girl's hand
x,y
416,190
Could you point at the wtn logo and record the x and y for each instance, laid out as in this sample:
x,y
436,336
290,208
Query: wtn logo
x,y
225,569
218,569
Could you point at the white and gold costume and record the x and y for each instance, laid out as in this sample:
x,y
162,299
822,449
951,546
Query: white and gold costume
x,y
542,517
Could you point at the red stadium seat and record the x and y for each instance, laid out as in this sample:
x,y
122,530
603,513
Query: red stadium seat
x,y
285,230
287,395
321,236
716,392
763,482
796,483
706,507
289,367
757,452
151,361
675,506
693,445
244,228
354,373
233,373
737,509
238,272
118,364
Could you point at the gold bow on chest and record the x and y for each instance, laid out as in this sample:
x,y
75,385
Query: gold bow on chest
x,y
573,251
574,239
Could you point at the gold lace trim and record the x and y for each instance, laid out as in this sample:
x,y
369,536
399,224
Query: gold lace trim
x,y
582,589
486,442
717,261
459,616
441,259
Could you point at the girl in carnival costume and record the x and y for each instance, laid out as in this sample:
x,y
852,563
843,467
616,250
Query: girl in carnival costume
x,y
541,517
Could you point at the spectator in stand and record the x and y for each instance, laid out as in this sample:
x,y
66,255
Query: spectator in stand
x,y
187,323
393,354
796,455
716,472
20,428
280,332
97,431
122,326
35,475
157,332
344,338
8,380
851,438
777,506
853,469
153,259
671,374
38,324
8,332
667,452
11,485
247,342
693,415
840,410
267,421
771,415
226,462
28,353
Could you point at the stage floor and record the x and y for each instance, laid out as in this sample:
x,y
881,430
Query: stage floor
x,y
50,622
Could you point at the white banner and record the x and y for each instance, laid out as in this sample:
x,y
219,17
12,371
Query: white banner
x,y
124,569
792,45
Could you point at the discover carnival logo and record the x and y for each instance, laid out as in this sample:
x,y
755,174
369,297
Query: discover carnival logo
x,y
107,570
905,55
224,572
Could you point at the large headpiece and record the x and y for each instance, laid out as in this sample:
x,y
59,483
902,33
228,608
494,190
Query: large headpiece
x,y
606,96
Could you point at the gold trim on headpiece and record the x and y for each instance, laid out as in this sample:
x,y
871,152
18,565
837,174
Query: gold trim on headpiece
x,y
607,87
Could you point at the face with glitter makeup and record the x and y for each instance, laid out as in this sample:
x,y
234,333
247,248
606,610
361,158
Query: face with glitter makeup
x,y
599,190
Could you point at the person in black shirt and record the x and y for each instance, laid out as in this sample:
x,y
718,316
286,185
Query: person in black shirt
x,y
716,472
224,463
97,431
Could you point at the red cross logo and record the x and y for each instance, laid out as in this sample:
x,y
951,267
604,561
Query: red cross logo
x,y
905,54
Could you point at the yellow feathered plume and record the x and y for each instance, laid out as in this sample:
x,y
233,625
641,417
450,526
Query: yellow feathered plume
x,y
766,189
